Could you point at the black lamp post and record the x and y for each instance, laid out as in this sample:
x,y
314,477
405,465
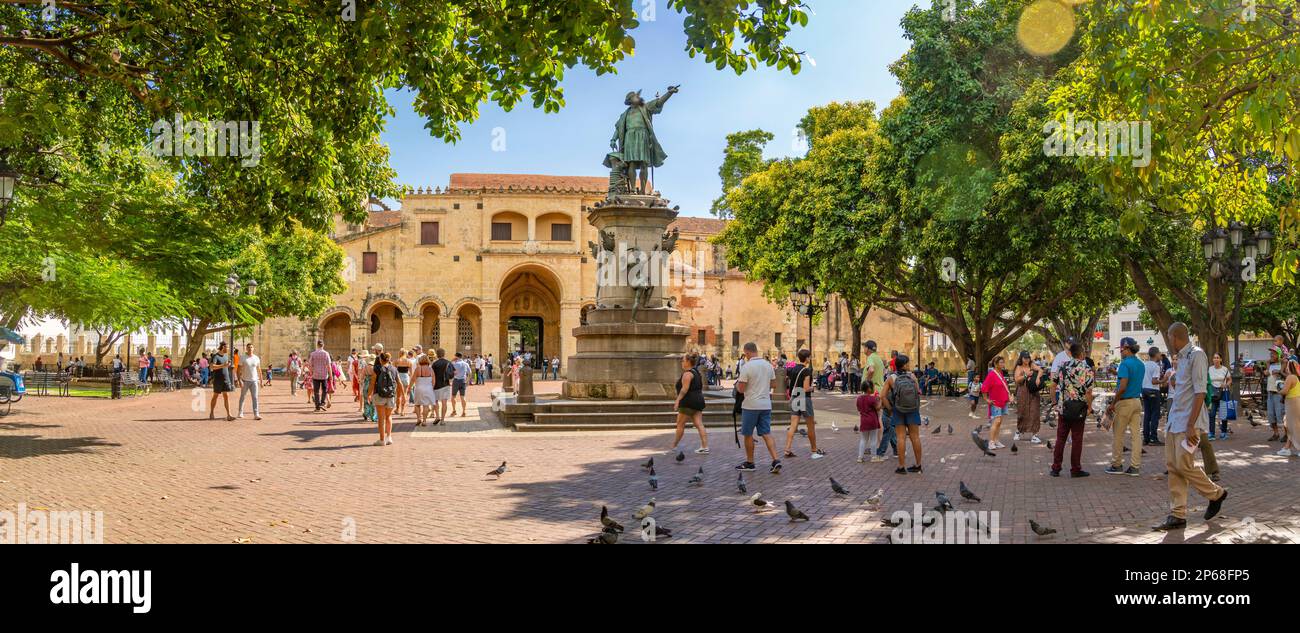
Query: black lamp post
x,y
1233,255
804,301
8,178
235,289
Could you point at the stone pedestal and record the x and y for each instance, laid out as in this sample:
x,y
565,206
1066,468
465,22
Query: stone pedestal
x,y
631,346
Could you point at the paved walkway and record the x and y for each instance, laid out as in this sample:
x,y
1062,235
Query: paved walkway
x,y
162,472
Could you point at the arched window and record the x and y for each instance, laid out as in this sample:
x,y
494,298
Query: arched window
x,y
465,333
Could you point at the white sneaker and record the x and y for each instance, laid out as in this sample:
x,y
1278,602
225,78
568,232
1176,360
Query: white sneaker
x,y
861,460
1035,440
701,451
389,440
378,443
1284,453
816,456
877,460
1016,436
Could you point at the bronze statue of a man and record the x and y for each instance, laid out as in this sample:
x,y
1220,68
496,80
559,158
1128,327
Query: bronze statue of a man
x,y
634,138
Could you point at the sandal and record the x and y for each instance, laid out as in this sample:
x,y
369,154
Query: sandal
x,y
789,454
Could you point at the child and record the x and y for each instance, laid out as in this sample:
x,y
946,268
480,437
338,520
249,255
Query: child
x,y
973,394
868,422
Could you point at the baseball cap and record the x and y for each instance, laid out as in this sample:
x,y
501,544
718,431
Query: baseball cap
x,y
1129,342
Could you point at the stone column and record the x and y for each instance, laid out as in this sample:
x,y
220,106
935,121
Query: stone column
x,y
491,329
151,344
570,319
410,331
176,347
360,332
448,338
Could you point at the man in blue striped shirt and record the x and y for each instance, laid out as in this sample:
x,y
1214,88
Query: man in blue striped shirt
x,y
1187,421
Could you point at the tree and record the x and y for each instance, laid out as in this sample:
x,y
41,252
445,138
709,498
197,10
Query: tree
x,y
964,179
1215,82
742,158
314,75
798,221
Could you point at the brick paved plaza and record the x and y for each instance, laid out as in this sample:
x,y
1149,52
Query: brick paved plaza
x,y
161,472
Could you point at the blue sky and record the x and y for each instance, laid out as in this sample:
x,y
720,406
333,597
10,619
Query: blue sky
x,y
852,42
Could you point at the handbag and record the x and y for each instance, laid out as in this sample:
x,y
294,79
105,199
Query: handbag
x,y
1228,409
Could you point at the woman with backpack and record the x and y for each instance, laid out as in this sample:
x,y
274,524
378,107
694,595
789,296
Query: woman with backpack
x,y
995,389
384,390
1029,381
902,397
690,403
801,387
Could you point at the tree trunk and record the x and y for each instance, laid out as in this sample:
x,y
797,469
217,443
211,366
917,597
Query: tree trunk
x,y
105,343
856,320
194,339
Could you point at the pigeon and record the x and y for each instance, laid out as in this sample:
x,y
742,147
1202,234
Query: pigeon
x,y
740,483
608,522
1040,530
662,532
500,470
654,480
698,478
834,429
650,465
982,443
966,493
803,433
937,430
887,522
1049,445
606,537
945,503
1014,448
949,429
645,511
925,420
875,499
681,457
837,488
794,513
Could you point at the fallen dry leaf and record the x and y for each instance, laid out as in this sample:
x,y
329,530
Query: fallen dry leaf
x,y
242,540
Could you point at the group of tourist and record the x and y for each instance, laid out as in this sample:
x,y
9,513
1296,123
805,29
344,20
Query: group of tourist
x,y
1194,388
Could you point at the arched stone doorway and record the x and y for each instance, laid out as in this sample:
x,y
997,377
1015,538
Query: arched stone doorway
x,y
430,335
385,327
469,332
530,313
337,333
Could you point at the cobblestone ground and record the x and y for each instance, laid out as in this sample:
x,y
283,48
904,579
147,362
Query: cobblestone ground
x,y
162,472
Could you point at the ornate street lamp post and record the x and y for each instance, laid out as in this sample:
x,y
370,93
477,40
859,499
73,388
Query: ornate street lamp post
x,y
8,178
804,301
1234,255
234,288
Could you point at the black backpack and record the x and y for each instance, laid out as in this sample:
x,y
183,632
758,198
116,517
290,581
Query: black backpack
x,y
385,386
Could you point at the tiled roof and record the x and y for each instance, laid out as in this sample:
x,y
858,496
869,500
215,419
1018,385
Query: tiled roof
x,y
707,226
381,219
529,182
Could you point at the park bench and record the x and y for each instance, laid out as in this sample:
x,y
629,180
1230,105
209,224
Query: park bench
x,y
43,381
131,384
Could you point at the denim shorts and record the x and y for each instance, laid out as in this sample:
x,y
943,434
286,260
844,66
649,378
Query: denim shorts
x,y
907,418
760,419
807,412
996,411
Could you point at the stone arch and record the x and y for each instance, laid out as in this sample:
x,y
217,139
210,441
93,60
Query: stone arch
x,y
335,311
375,299
430,310
531,297
335,329
423,302
384,324
517,220
469,329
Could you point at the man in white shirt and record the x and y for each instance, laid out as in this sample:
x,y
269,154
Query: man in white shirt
x,y
756,382
1187,424
249,379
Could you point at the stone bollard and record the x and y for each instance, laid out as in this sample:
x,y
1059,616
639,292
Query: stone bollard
x,y
526,386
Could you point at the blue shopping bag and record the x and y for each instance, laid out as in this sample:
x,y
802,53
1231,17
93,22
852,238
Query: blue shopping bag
x,y
1228,410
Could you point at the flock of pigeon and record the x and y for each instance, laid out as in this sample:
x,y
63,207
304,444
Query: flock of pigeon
x,y
611,530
